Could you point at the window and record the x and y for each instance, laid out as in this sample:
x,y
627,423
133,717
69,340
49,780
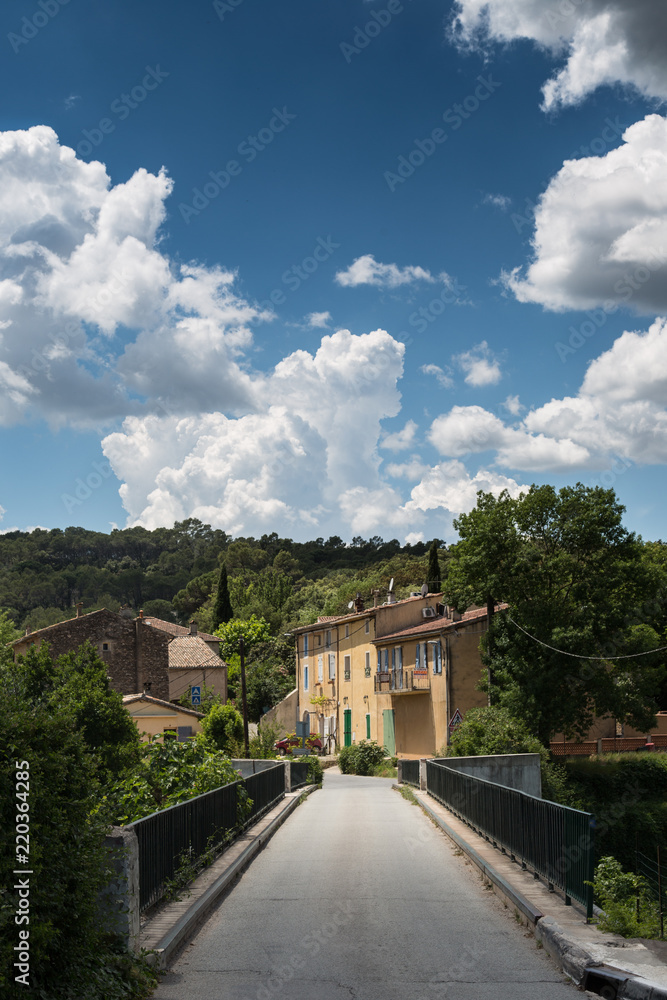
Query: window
x,y
367,627
319,640
305,645
418,664
305,677
379,660
347,631
367,665
385,658
328,637
170,734
105,646
347,667
320,668
332,666
437,658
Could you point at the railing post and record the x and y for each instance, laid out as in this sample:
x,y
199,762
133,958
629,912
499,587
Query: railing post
x,y
423,779
119,902
288,775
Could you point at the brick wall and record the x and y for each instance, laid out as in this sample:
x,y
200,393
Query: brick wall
x,y
136,655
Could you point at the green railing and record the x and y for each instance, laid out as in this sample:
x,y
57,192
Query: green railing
x,y
410,772
553,841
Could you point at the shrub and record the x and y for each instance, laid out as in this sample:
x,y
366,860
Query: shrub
x,y
222,729
628,907
361,758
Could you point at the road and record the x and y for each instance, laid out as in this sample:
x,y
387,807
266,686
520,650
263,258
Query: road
x,y
359,897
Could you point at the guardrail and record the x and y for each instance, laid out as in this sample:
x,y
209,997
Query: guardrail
x,y
299,774
554,841
188,830
410,772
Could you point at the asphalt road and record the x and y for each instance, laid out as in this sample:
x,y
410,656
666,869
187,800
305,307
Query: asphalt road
x,y
359,897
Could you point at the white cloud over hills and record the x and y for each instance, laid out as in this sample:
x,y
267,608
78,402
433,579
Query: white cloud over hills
x,y
602,42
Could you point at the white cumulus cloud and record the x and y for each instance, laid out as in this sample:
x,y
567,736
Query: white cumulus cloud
x,y
367,270
480,365
602,42
601,229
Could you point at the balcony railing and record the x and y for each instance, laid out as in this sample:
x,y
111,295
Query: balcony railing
x,y
402,681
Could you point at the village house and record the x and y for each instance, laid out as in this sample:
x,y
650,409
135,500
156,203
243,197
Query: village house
x,y
144,655
158,719
398,673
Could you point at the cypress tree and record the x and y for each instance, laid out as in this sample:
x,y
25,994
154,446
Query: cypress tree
x,y
433,578
223,611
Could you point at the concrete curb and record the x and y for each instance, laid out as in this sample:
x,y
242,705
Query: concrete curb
x,y
172,941
585,971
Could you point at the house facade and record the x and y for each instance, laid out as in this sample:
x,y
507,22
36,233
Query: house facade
x,y
143,655
395,673
158,719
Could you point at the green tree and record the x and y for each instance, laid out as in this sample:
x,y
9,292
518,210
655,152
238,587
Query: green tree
x,y
252,631
433,577
222,611
222,729
577,587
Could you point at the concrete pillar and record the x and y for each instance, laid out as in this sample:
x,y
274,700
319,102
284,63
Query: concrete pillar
x,y
288,776
422,773
119,902
399,767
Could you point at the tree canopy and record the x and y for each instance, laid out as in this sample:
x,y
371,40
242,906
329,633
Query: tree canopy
x,y
580,593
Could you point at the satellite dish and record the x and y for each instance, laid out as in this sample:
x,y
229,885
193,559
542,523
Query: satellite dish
x,y
391,584
424,589
350,605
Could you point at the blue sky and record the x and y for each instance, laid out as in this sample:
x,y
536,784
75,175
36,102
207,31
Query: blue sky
x,y
330,268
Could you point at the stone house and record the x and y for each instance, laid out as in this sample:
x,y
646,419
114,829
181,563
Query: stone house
x,y
137,656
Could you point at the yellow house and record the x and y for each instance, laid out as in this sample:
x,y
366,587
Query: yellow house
x,y
155,717
396,673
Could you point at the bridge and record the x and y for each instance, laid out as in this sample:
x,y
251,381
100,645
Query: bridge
x,y
358,895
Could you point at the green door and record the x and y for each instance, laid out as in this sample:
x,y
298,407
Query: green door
x,y
388,731
347,727
368,726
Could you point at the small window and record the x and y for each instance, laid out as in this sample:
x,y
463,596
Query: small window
x,y
367,627
170,734
437,658
305,645
105,646
332,666
305,678
319,640
347,667
367,665
328,642
347,631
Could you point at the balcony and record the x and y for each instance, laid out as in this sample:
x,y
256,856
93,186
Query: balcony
x,y
402,682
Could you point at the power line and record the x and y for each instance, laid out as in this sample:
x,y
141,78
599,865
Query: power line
x,y
579,656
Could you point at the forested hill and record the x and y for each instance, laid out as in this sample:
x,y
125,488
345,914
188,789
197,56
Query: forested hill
x,y
173,572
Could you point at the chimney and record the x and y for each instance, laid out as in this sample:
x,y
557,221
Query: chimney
x,y
193,627
376,598
78,609
359,602
391,599
28,630
126,611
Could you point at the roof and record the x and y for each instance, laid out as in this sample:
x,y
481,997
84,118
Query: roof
x,y
328,619
438,625
192,651
129,699
173,629
68,621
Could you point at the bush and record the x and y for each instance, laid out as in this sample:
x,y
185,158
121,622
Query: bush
x,y
315,769
169,773
628,907
263,744
222,729
361,758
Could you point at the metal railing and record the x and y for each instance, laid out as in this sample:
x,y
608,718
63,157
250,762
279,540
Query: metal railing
x,y
186,831
654,873
410,772
401,681
554,841
299,773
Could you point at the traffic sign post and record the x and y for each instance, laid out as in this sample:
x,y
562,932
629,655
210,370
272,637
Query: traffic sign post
x,y
455,721
195,694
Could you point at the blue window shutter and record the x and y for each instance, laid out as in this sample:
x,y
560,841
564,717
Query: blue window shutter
x,y
417,657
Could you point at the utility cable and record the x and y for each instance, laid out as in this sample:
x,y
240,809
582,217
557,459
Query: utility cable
x,y
579,656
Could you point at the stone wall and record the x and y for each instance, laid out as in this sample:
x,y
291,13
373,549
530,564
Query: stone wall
x,y
136,656
514,770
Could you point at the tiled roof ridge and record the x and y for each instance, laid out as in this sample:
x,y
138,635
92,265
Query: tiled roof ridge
x,y
128,698
435,624
177,630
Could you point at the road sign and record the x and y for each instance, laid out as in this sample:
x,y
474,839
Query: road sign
x,y
195,694
455,721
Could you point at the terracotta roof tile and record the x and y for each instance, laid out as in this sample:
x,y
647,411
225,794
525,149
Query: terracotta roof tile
x,y
192,651
129,699
173,629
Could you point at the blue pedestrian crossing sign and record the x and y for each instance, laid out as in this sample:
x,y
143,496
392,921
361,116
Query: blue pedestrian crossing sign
x,y
195,693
